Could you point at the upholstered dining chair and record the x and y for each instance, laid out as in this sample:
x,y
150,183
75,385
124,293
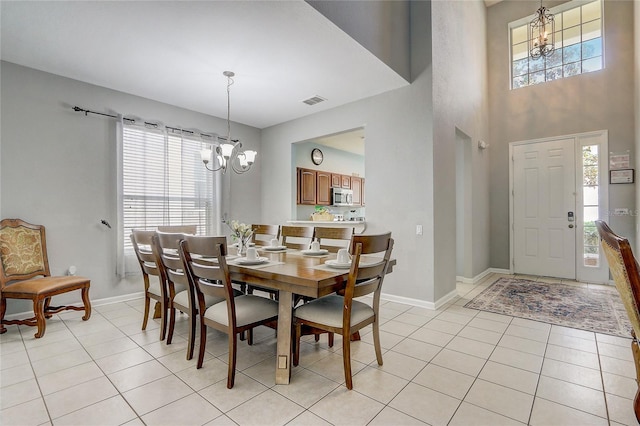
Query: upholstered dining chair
x,y
181,296
263,234
207,271
296,237
25,274
333,239
153,289
626,275
340,313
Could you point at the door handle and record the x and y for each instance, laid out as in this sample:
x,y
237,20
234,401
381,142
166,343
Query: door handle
x,y
571,225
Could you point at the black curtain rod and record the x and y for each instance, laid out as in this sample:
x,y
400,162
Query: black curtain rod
x,y
155,125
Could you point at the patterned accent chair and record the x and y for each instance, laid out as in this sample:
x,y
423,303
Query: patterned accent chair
x,y
24,274
626,274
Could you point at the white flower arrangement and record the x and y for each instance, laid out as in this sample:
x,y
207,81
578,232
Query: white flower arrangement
x,y
240,232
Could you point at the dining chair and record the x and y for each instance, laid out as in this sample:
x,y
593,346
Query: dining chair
x,y
181,295
296,237
263,234
340,313
208,274
181,229
25,274
333,239
626,275
141,241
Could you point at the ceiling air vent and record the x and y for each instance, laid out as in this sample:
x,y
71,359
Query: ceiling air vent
x,y
314,100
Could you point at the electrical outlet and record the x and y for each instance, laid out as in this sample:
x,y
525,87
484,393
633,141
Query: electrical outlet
x,y
418,229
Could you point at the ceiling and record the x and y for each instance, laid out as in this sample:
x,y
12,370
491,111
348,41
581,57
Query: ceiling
x,y
175,52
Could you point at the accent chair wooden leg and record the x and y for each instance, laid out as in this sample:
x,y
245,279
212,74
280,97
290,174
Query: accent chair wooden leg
x,y
47,302
87,303
38,309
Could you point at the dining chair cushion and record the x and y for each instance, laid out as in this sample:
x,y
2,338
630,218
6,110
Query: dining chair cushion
x,y
328,310
42,285
182,299
249,309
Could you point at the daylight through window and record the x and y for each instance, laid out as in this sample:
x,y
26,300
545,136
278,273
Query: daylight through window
x,y
164,182
578,45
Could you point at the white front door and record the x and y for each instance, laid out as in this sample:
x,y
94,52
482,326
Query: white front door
x,y
544,208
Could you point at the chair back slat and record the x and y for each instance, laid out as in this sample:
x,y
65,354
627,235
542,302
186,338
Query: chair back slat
x,y
368,278
179,229
296,237
206,267
334,239
23,251
263,234
141,241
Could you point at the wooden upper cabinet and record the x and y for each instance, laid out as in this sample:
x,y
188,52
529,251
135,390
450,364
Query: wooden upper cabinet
x,y
336,180
323,188
346,181
307,186
356,187
362,192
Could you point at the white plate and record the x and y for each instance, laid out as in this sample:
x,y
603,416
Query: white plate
x,y
272,248
337,265
245,261
314,253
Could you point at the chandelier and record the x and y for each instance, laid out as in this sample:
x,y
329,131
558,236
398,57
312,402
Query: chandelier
x,y
542,34
228,152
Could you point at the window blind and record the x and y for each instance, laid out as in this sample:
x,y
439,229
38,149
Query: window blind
x,y
164,182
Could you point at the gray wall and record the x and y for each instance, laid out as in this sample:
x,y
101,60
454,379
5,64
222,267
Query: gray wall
x,y
594,101
460,101
403,189
59,167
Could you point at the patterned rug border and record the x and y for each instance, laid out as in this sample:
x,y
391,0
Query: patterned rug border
x,y
595,310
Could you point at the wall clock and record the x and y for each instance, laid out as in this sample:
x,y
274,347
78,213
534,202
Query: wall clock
x,y
317,156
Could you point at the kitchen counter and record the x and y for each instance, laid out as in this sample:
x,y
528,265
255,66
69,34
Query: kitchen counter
x,y
359,225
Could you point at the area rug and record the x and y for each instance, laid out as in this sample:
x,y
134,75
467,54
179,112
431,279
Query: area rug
x,y
597,310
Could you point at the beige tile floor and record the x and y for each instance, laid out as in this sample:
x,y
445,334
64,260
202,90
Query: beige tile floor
x,y
452,366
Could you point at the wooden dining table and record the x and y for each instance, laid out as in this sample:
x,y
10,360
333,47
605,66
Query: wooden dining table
x,y
292,272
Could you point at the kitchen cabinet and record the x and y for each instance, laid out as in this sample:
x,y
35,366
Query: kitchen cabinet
x,y
315,187
356,187
307,186
323,188
362,192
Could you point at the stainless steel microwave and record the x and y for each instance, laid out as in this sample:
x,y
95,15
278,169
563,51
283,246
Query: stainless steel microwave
x,y
342,197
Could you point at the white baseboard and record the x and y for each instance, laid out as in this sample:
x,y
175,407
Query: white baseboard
x,y
481,275
97,302
420,303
